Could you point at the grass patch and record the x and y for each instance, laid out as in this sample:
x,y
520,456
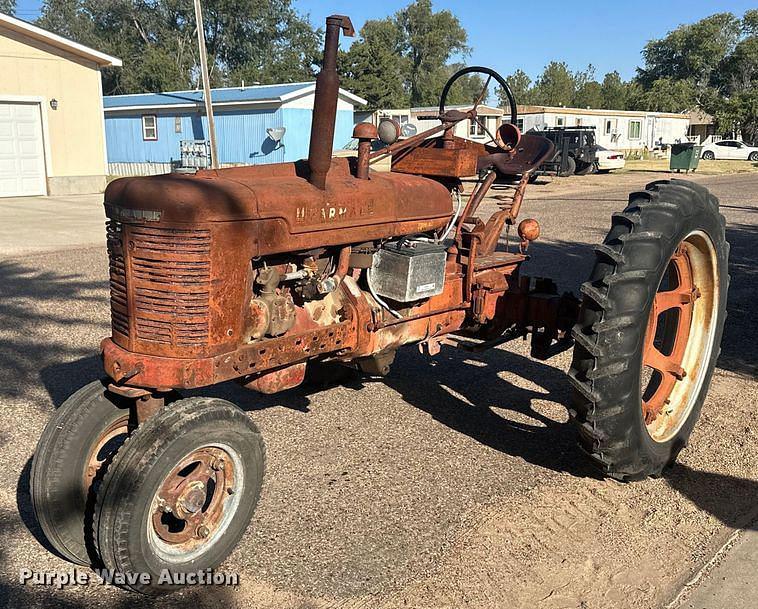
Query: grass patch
x,y
705,167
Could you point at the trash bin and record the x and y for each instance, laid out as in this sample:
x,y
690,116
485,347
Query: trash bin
x,y
685,156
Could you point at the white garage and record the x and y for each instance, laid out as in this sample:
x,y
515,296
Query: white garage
x,y
22,152
52,127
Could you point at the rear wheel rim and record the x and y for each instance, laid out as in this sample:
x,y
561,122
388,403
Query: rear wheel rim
x,y
679,336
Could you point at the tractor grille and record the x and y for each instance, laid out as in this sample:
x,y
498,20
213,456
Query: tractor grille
x,y
117,271
169,277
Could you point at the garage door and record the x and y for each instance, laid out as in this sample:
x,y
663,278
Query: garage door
x,y
22,155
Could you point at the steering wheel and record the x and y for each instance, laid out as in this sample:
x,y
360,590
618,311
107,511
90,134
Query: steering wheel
x,y
490,75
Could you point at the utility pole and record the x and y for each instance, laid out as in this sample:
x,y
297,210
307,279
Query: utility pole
x,y
206,83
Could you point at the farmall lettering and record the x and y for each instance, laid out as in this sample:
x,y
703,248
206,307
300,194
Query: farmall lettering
x,y
326,214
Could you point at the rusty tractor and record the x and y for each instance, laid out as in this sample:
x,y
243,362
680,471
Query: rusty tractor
x,y
253,273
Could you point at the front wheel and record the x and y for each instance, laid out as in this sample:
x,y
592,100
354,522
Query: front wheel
x,y
753,157
72,454
180,493
649,329
709,156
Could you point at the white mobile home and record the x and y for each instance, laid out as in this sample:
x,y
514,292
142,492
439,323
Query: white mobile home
x,y
629,131
488,116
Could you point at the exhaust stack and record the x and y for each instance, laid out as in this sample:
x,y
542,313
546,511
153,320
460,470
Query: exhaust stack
x,y
325,102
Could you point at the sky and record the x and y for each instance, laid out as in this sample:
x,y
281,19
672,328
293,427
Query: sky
x,y
506,35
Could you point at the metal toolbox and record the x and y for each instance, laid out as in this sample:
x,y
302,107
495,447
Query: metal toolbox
x,y
405,271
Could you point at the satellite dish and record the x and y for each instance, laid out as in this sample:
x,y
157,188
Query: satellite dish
x,y
276,133
408,130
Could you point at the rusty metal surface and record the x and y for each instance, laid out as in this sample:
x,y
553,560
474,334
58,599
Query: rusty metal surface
x,y
197,262
667,359
325,102
190,502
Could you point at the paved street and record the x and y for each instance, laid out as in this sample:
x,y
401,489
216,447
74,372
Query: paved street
x,y
454,482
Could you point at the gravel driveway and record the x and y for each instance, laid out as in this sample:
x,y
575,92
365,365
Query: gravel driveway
x,y
454,482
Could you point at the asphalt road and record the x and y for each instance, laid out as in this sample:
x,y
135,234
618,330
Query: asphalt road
x,y
453,482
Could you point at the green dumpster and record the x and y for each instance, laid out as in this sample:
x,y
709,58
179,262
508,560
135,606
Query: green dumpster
x,y
685,156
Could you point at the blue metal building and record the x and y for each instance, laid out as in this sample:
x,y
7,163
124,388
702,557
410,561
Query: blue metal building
x,y
143,131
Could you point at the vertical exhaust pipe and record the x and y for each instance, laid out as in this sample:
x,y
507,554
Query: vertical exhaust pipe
x,y
325,102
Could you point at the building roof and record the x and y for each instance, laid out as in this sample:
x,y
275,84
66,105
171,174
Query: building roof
x,y
481,109
595,111
698,117
59,42
230,96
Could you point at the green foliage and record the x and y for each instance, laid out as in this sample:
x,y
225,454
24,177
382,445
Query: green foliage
x,y
589,95
521,87
691,52
555,87
8,7
255,40
404,59
712,65
375,68
666,95
614,92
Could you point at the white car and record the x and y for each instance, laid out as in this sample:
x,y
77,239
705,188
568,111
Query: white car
x,y
729,149
609,159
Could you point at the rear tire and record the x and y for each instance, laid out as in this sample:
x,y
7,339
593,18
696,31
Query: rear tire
x,y
630,430
180,492
570,168
582,168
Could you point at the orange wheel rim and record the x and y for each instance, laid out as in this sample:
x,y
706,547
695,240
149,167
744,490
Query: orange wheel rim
x,y
679,336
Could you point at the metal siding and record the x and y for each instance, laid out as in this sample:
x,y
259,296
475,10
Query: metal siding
x,y
298,124
241,135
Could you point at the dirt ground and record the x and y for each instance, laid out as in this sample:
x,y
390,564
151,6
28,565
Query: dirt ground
x,y
454,482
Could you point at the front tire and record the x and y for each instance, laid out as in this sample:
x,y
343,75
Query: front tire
x,y
180,493
753,157
709,156
71,456
649,329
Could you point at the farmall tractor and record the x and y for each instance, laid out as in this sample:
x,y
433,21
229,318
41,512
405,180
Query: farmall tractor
x,y
254,273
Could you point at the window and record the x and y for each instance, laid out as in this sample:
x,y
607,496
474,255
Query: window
x,y
400,119
578,122
178,124
476,129
149,127
560,121
635,129
608,126
520,124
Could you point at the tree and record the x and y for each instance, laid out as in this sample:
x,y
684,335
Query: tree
x,y
406,59
374,67
614,92
8,7
555,87
430,40
589,95
691,52
466,90
667,95
256,40
521,87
